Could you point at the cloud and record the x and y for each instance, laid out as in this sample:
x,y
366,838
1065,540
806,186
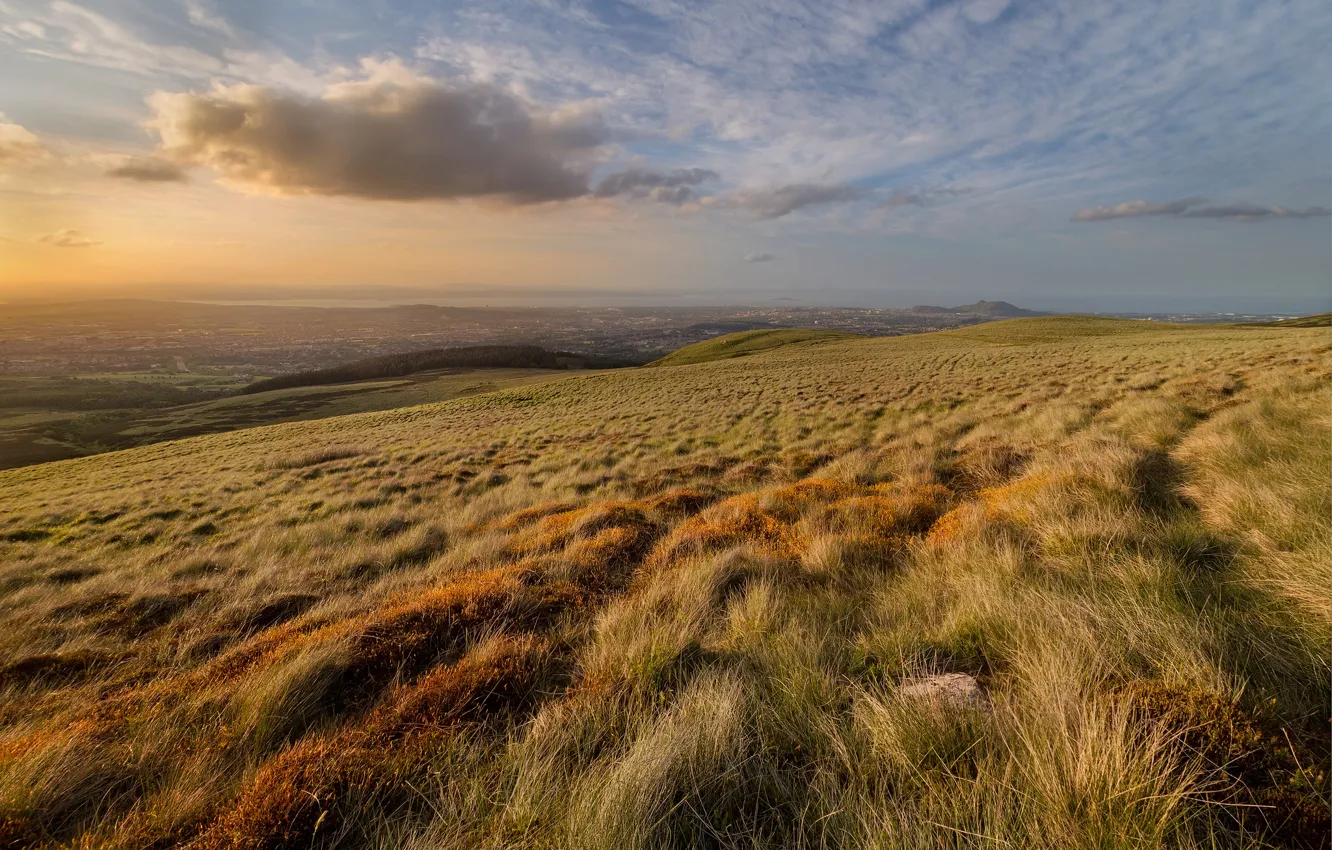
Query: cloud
x,y
1192,208
206,18
393,136
1135,209
778,201
670,187
18,145
1256,212
68,238
148,169
984,11
760,258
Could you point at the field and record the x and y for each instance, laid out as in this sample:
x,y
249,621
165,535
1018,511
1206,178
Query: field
x,y
48,429
1044,583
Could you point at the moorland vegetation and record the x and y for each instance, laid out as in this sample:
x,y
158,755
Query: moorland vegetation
x,y
695,605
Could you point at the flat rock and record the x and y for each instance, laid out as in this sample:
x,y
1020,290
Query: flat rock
x,y
954,689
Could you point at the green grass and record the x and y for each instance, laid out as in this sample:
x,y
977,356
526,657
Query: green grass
x,y
29,435
677,608
745,343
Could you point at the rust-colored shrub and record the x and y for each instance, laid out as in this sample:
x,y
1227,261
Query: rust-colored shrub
x,y
989,464
414,632
499,680
313,786
678,502
889,513
739,519
948,526
52,668
527,516
809,491
1013,501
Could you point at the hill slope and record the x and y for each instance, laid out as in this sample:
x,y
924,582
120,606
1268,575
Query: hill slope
x,y
1318,320
706,606
745,343
411,362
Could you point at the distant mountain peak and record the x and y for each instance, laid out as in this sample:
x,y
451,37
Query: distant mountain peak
x,y
998,309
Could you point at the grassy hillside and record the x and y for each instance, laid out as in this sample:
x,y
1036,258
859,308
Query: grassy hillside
x,y
745,343
702,606
435,359
35,429
1319,320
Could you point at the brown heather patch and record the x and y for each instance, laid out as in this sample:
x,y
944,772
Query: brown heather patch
x,y
737,520
495,681
948,526
679,502
1009,503
988,464
807,492
52,668
527,516
316,784
681,474
878,520
890,511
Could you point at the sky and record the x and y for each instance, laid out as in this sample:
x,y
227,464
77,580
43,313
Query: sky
x,y
1114,155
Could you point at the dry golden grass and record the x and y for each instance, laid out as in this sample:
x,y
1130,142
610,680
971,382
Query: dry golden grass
x,y
672,608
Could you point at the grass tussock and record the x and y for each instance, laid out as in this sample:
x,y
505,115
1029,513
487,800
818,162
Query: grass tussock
x,y
1054,584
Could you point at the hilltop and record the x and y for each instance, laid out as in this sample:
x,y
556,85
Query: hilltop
x,y
1045,583
993,309
745,343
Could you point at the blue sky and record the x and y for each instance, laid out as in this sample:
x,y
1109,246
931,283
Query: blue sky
x,y
1077,155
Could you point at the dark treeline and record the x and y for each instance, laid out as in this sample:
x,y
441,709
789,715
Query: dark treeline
x,y
470,357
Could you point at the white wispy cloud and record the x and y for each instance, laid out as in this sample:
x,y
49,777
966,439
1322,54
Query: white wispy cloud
x,y
1064,103
778,201
18,145
68,238
992,94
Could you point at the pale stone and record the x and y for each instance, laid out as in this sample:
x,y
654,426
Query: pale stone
x,y
955,689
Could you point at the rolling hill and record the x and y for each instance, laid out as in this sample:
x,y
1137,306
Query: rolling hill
x,y
745,343
1039,583
412,362
1318,320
